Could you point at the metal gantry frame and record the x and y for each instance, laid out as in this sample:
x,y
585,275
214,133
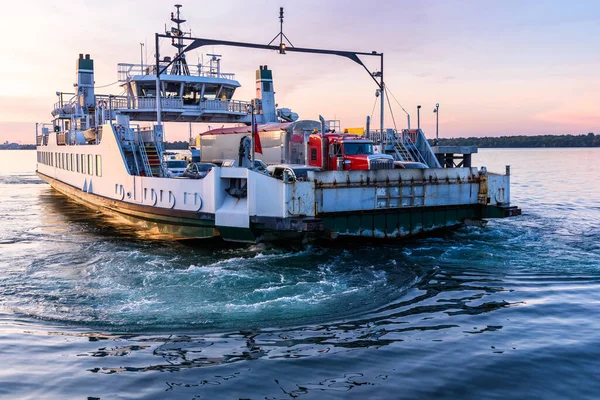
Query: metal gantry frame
x,y
281,48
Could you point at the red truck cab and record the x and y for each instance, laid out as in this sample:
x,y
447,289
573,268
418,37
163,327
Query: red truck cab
x,y
345,152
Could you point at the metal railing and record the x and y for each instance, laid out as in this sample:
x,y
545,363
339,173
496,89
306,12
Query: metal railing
x,y
411,142
405,140
236,106
149,103
111,104
161,151
127,71
143,154
425,149
178,103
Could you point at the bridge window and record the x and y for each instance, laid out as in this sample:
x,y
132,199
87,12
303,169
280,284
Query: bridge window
x,y
191,94
210,92
147,89
226,93
90,165
171,89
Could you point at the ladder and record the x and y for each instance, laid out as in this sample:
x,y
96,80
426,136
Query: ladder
x,y
400,151
412,148
153,159
163,164
406,150
145,161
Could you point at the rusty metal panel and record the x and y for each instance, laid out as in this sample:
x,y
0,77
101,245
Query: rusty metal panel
x,y
440,218
343,191
452,217
498,189
353,223
427,219
366,225
391,228
299,198
416,222
347,199
380,225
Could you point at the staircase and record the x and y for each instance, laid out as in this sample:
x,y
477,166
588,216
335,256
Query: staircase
x,y
150,156
408,145
153,159
400,152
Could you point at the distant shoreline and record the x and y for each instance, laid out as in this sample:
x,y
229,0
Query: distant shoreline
x,y
524,142
506,142
18,147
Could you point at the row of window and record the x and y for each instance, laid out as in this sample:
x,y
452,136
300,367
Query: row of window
x,y
83,163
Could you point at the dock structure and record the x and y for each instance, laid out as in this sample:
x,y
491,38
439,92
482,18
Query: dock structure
x,y
454,156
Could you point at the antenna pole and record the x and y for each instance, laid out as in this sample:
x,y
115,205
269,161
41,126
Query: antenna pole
x,y
158,118
280,26
381,122
179,49
253,135
176,35
281,35
142,56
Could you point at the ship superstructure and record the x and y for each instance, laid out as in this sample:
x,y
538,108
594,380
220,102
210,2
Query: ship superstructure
x,y
99,152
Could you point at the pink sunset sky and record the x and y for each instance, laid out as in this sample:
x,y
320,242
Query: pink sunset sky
x,y
496,67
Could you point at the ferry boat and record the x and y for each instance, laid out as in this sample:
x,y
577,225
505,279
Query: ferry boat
x,y
322,182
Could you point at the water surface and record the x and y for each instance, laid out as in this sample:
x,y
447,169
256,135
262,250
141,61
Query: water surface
x,y
90,308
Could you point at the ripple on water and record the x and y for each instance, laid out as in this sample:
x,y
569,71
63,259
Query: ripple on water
x,y
133,289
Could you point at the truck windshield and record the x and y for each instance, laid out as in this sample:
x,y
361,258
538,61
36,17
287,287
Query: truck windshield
x,y
358,148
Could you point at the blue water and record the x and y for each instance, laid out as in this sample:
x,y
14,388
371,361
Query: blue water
x,y
90,308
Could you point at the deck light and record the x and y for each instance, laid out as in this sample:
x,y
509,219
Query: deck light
x,y
282,48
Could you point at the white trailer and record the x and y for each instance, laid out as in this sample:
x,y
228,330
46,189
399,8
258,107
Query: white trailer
x,y
281,143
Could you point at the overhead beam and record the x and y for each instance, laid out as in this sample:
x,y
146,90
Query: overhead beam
x,y
352,55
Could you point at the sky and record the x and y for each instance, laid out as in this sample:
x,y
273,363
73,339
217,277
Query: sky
x,y
495,67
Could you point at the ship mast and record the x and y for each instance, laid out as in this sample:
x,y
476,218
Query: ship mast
x,y
180,66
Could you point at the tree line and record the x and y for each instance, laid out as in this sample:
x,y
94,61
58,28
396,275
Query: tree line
x,y
177,145
589,140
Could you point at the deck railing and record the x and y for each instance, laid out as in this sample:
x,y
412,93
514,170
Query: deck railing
x,y
113,103
413,140
178,103
127,71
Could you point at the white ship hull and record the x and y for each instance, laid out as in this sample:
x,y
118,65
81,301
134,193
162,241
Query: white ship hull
x,y
376,204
